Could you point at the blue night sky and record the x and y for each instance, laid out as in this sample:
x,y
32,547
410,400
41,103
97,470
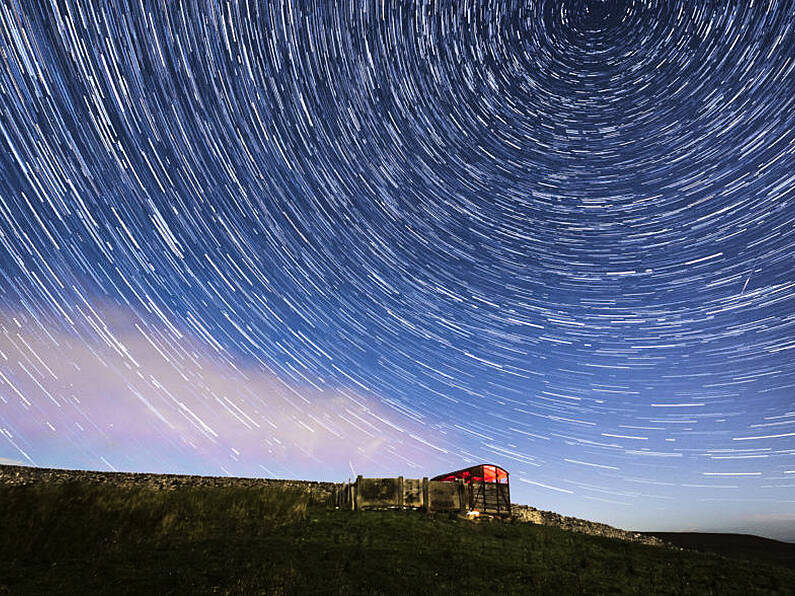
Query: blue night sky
x,y
317,239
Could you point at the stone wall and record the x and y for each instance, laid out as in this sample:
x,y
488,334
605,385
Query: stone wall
x,y
525,513
21,475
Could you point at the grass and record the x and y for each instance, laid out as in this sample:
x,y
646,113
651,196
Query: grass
x,y
737,546
92,538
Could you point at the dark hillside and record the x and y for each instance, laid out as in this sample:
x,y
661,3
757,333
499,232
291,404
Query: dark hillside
x,y
94,537
741,546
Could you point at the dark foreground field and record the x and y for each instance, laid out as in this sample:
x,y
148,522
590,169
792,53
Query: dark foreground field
x,y
736,546
90,538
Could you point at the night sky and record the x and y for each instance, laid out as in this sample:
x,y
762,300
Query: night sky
x,y
317,239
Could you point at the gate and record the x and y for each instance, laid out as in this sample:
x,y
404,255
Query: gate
x,y
490,497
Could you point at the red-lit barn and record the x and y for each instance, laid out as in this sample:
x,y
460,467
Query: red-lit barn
x,y
489,488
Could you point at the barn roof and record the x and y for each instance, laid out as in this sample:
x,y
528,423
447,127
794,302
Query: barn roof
x,y
478,473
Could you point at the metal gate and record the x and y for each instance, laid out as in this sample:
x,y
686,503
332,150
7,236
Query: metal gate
x,y
490,497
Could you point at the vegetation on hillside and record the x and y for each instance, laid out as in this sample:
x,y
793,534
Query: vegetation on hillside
x,y
736,546
89,538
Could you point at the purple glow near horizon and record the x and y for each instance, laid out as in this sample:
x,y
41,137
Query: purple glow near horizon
x,y
326,239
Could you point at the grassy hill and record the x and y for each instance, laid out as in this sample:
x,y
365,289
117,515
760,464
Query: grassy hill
x,y
82,537
738,546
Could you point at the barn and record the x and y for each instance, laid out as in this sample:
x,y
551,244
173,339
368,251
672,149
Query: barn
x,y
489,487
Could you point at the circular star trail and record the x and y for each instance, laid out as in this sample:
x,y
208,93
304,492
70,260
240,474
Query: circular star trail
x,y
378,237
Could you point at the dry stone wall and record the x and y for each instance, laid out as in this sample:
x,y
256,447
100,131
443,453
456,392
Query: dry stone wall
x,y
525,513
20,475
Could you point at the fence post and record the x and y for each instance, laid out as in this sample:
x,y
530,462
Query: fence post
x,y
400,495
424,497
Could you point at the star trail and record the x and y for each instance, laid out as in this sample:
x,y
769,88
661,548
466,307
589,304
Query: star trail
x,y
319,239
